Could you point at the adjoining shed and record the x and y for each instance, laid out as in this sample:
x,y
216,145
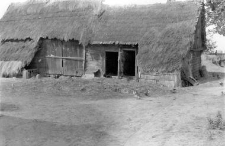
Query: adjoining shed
x,y
170,39
87,37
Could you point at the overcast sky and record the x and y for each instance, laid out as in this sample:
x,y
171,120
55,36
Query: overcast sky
x,y
220,39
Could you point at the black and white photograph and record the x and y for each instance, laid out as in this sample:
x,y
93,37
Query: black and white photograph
x,y
112,73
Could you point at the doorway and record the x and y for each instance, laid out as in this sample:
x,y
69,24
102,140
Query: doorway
x,y
111,63
129,63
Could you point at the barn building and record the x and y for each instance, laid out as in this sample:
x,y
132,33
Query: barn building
x,y
156,43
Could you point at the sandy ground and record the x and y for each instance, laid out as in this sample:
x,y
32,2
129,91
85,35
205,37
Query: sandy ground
x,y
76,112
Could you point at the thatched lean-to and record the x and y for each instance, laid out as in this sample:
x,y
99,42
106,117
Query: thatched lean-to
x,y
23,51
10,67
14,55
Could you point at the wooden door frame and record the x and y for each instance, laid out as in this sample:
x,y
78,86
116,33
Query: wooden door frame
x,y
114,51
136,67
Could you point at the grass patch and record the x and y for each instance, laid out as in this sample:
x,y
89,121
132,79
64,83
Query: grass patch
x,y
216,127
216,123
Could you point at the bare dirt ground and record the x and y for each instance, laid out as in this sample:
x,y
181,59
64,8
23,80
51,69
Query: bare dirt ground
x,y
102,112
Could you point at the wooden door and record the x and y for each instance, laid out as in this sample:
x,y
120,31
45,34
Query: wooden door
x,y
72,59
53,56
129,62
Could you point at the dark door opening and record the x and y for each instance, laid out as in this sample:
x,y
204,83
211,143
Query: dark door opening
x,y
111,63
129,63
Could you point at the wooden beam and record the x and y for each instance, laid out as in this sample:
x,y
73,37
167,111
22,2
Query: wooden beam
x,y
119,63
71,58
84,58
127,49
136,67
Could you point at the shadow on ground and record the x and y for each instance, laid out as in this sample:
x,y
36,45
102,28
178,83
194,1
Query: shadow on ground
x,y
24,132
8,107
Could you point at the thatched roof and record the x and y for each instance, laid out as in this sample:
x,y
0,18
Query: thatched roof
x,y
88,19
53,19
130,24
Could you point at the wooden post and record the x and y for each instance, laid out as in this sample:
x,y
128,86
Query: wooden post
x,y
25,74
119,62
177,79
136,67
84,59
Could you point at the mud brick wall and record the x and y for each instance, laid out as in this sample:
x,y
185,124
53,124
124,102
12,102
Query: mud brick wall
x,y
95,57
170,80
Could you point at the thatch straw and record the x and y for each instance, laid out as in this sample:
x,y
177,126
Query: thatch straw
x,y
80,19
129,24
164,51
53,19
23,51
10,67
16,55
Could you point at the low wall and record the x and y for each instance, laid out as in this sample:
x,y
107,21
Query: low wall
x,y
170,80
